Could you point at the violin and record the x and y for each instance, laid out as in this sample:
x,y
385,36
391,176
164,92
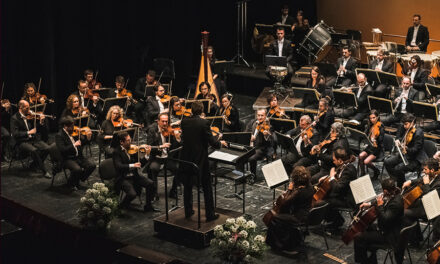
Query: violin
x,y
410,134
89,94
123,123
84,131
5,102
317,148
375,132
91,85
277,112
165,98
215,131
265,126
79,110
227,111
32,115
169,131
39,98
124,93
320,114
183,111
135,149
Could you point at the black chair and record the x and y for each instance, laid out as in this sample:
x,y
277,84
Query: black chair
x,y
315,221
388,144
404,237
57,162
430,149
19,156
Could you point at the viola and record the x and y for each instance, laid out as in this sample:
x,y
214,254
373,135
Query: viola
x,y
89,94
410,135
215,131
375,132
124,93
433,254
37,115
38,98
91,85
135,149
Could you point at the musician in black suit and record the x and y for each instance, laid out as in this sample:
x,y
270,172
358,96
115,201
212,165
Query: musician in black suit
x,y
324,119
417,38
196,136
231,119
155,137
129,178
282,233
403,102
429,182
389,210
346,66
300,155
6,137
285,18
262,139
27,136
142,83
154,104
411,139
381,64
339,195
324,156
93,104
71,151
282,47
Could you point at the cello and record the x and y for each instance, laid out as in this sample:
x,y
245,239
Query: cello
x,y
279,204
433,254
205,73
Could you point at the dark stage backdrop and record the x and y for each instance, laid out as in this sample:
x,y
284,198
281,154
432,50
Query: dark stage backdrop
x,y
57,40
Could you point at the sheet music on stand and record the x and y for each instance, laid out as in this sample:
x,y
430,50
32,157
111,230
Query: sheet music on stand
x,y
425,110
362,189
382,105
220,155
275,174
359,135
431,204
388,78
371,75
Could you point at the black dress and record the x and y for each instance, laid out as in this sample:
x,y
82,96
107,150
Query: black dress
x,y
371,150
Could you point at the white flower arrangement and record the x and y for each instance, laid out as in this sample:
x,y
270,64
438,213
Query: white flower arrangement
x,y
237,240
97,207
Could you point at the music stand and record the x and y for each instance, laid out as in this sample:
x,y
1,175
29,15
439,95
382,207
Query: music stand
x,y
425,111
264,29
206,104
81,121
433,90
282,125
242,138
345,99
327,69
216,121
299,92
103,92
109,102
372,76
285,142
149,90
380,104
359,136
388,78
115,139
273,60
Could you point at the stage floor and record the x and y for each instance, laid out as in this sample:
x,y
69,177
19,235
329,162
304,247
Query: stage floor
x,y
33,191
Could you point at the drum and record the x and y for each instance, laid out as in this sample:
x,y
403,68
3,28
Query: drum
x,y
371,55
315,41
278,71
437,60
428,60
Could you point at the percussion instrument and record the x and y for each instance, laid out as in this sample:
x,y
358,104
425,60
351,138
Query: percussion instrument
x,y
437,60
278,71
315,41
371,55
428,59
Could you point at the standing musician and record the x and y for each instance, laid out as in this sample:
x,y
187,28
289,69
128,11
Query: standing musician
x,y
285,18
156,104
389,210
282,47
324,151
114,121
375,132
304,138
90,82
196,136
262,139
339,195
129,178
219,83
92,104
324,119
346,66
410,141
205,93
403,100
429,182
31,96
231,119
71,151
162,135
417,38
418,75
381,64
25,129
6,138
147,83
282,233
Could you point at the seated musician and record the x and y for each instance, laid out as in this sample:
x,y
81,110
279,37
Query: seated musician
x,y
309,100
403,100
142,83
274,108
389,210
375,132
417,38
161,135
429,182
339,195
304,137
381,64
219,83
410,139
324,119
282,233
155,105
262,139
91,83
74,108
300,28
324,151
113,122
6,138
282,47
71,151
205,93
178,111
31,96
27,135
346,66
231,119
129,178
418,75
133,106
92,104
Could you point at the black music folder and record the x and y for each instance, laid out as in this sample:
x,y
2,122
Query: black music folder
x,y
371,75
425,110
105,92
242,138
272,60
109,102
388,78
286,142
383,106
433,90
345,99
282,125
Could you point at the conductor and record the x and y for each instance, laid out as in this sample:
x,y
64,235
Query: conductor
x,y
196,136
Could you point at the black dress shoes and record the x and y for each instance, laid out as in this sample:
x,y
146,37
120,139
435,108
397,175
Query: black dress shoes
x,y
188,215
150,208
212,217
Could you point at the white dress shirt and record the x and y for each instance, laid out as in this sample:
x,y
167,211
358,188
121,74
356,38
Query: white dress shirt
x,y
413,41
161,107
280,47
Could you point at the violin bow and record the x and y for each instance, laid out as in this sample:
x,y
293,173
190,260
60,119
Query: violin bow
x,y
38,91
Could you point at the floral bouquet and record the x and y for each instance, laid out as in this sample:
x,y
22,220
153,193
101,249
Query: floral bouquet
x,y
237,241
97,208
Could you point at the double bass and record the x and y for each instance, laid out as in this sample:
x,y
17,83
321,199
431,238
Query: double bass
x,y
205,73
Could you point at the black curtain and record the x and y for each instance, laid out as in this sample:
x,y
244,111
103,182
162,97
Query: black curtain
x,y
58,40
